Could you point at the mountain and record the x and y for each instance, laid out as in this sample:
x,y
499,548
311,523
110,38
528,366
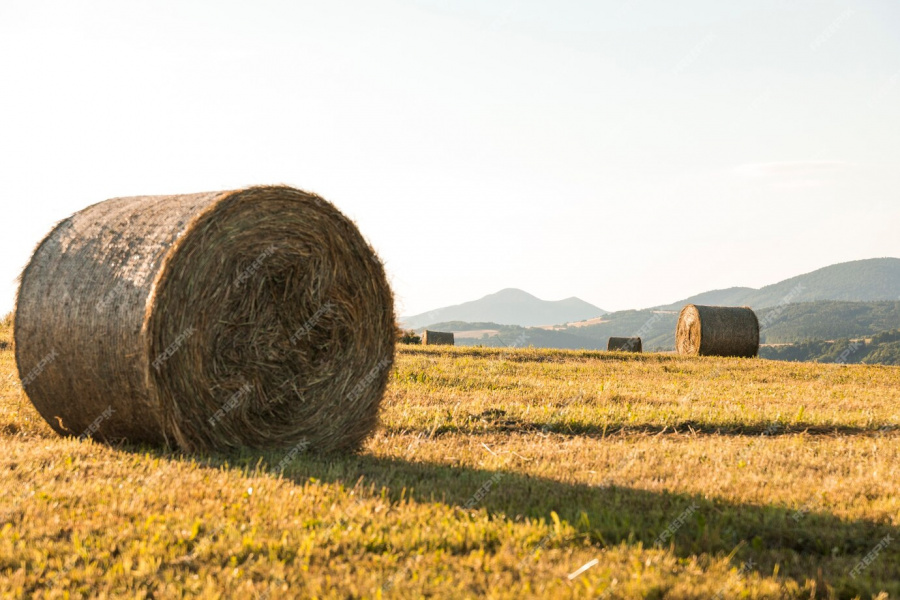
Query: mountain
x,y
509,307
826,320
822,320
786,324
857,281
859,298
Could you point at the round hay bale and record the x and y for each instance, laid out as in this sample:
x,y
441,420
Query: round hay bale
x,y
625,344
717,331
438,338
253,318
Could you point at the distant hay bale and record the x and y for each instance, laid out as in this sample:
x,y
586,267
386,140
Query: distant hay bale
x,y
717,331
250,318
625,344
438,338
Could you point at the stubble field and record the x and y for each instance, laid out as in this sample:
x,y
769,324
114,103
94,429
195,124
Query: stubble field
x,y
495,473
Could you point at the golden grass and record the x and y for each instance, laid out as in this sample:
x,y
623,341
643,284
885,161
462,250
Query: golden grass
x,y
496,473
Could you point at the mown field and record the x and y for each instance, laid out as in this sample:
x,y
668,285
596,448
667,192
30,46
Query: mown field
x,y
495,473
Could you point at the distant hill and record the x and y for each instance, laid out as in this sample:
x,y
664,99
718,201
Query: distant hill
x,y
509,307
844,301
883,349
655,328
827,321
791,323
514,336
857,281
457,326
824,320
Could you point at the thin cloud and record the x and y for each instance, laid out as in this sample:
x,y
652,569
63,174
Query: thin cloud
x,y
794,174
808,170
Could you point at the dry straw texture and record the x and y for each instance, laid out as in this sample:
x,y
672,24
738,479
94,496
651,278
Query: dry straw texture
x,y
717,331
438,338
625,344
257,317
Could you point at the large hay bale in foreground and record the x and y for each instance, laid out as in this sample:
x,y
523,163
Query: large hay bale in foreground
x,y
717,331
256,317
625,344
438,338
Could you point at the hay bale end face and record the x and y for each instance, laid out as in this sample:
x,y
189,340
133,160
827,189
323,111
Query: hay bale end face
x,y
251,318
717,331
438,338
625,344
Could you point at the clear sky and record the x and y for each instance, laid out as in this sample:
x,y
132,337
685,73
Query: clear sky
x,y
630,152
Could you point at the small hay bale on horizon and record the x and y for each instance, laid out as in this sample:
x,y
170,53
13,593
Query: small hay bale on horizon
x,y
717,331
624,344
255,318
438,338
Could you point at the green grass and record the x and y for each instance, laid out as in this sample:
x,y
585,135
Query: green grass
x,y
495,473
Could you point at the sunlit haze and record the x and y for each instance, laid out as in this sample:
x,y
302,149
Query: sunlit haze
x,y
630,153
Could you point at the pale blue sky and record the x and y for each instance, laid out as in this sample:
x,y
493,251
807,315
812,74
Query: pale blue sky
x,y
629,152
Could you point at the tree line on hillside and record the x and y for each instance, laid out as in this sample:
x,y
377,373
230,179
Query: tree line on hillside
x,y
882,349
827,320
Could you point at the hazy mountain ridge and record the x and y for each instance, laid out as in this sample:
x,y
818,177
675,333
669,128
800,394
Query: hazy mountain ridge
x,y
827,320
509,307
788,324
868,280
786,314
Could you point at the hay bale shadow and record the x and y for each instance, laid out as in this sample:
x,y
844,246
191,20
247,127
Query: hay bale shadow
x,y
805,546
